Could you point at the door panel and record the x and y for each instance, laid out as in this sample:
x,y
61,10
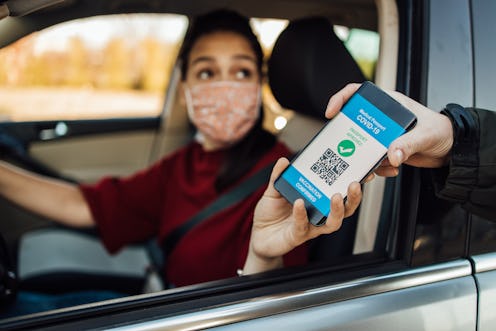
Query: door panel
x,y
81,150
485,267
88,158
449,305
87,151
437,297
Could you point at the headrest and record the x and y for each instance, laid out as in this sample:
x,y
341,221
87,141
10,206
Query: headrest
x,y
309,63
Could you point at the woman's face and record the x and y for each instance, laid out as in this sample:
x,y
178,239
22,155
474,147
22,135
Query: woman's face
x,y
222,87
222,56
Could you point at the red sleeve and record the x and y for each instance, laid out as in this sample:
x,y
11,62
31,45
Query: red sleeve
x,y
127,210
297,257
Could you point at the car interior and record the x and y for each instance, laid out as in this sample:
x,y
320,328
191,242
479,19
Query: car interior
x,y
307,65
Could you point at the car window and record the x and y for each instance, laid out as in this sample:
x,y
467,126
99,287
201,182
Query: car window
x,y
99,67
75,71
119,66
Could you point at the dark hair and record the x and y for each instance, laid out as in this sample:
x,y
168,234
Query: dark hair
x,y
215,21
242,156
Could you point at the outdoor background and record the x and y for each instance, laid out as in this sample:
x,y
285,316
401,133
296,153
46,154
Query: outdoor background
x,y
115,66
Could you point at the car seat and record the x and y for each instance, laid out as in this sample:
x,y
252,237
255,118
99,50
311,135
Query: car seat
x,y
309,63
58,260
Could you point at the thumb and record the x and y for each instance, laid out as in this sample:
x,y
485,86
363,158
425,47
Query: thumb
x,y
337,101
281,164
402,148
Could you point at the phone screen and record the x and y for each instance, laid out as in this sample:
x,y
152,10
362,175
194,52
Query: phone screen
x,y
346,149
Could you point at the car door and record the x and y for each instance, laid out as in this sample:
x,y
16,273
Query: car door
x,y
483,231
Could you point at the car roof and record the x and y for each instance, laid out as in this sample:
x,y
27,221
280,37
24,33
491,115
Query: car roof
x,y
22,17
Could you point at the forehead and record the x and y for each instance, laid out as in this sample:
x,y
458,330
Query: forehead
x,y
221,43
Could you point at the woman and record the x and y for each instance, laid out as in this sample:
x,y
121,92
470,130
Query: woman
x,y
222,72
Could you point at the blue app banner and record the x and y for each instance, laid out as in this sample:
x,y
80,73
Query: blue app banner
x,y
307,190
372,120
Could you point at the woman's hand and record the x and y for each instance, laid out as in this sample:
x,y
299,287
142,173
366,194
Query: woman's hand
x,y
427,145
278,227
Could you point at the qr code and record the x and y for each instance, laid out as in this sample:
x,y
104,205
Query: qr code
x,y
329,166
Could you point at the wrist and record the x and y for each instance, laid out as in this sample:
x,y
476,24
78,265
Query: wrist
x,y
258,263
446,145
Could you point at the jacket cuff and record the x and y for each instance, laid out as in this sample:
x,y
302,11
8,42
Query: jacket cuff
x,y
457,181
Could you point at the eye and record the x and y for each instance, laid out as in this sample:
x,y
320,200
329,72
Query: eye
x,y
205,74
243,74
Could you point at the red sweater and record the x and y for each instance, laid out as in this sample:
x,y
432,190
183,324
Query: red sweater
x,y
153,202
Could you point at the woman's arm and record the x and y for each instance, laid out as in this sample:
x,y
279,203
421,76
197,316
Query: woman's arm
x,y
55,199
278,227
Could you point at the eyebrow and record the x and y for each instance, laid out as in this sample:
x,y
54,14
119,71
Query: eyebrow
x,y
202,59
211,59
245,57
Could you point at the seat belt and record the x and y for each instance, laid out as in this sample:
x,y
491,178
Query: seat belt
x,y
226,200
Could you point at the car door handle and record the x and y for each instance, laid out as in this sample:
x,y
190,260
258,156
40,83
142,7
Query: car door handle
x,y
59,130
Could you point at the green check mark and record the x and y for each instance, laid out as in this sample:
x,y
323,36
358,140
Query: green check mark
x,y
346,148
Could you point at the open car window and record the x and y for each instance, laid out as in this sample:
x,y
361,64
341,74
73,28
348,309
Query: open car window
x,y
119,67
114,66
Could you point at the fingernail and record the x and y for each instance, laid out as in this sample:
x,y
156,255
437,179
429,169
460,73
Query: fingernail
x,y
399,156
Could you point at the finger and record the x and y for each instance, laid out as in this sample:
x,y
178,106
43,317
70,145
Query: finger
x,y
337,101
354,197
387,171
301,223
279,167
336,216
385,163
369,178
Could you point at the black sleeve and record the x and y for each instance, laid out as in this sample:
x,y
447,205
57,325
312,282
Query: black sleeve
x,y
470,178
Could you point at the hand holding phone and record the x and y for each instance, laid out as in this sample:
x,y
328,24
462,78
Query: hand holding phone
x,y
347,149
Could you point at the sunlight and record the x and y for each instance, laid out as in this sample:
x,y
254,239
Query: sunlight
x,y
96,32
268,30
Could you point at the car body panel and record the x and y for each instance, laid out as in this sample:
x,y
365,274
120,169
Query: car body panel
x,y
485,267
440,306
413,296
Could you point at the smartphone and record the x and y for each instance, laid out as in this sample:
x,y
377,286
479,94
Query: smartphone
x,y
347,149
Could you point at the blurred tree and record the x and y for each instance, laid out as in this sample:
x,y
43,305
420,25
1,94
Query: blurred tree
x,y
77,73
157,64
116,66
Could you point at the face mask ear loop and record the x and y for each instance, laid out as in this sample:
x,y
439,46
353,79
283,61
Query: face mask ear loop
x,y
189,102
191,114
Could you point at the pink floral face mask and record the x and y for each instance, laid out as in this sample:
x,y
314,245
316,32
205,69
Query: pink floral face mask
x,y
223,111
